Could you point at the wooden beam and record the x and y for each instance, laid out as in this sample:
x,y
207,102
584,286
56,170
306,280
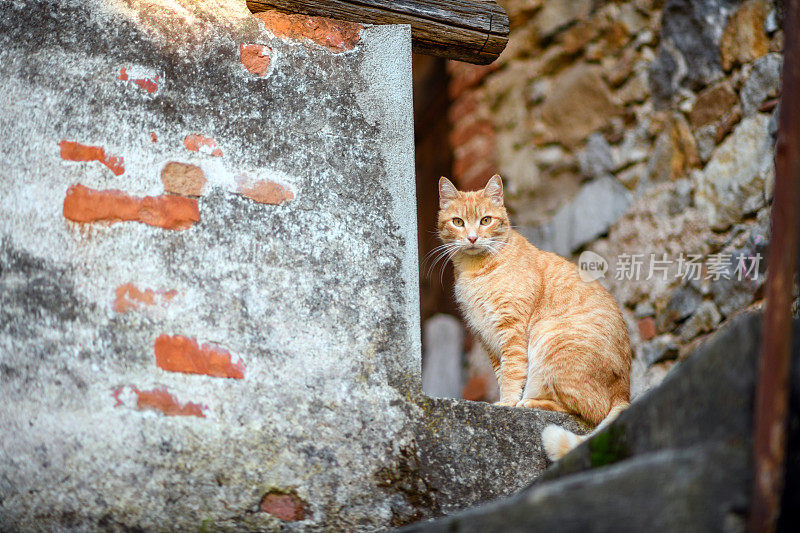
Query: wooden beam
x,y
474,31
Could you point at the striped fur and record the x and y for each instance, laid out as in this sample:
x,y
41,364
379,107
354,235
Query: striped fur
x,y
555,341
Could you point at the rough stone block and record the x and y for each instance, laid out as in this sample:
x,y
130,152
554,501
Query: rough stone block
x,y
679,457
735,182
591,212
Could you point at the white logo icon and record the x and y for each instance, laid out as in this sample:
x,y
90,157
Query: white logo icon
x,y
591,266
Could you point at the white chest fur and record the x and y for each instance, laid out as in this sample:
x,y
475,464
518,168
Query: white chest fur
x,y
480,314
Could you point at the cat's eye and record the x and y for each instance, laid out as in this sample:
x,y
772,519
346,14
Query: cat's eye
x,y
458,222
485,221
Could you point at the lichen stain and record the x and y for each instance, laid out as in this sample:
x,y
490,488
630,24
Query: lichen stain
x,y
335,35
74,151
84,205
204,145
255,58
182,354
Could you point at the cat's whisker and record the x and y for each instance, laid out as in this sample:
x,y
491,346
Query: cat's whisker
x,y
443,257
443,252
444,265
437,250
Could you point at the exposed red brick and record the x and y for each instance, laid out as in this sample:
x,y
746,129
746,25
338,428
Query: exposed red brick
x,y
182,354
183,179
148,84
153,137
84,205
73,151
464,76
476,389
463,107
255,58
475,177
161,400
472,159
288,507
118,401
335,35
128,297
647,328
466,131
204,145
264,191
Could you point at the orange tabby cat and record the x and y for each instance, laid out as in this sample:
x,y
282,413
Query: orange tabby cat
x,y
555,341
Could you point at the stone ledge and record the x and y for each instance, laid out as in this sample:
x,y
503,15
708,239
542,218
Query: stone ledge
x,y
677,459
472,451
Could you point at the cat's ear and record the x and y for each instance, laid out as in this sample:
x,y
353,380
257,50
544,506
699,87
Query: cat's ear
x,y
494,189
447,192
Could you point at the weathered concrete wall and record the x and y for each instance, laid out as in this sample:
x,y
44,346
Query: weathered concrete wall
x,y
208,295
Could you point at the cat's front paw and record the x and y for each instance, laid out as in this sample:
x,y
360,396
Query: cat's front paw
x,y
506,403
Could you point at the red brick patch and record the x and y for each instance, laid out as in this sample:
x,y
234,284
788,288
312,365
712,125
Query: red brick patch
x,y
465,131
464,76
335,35
183,179
84,205
160,400
288,507
73,151
255,58
182,354
128,297
264,191
147,84
204,145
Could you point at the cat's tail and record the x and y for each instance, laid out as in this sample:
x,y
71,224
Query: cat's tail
x,y
558,441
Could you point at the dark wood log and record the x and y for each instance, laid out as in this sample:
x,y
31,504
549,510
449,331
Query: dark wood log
x,y
475,31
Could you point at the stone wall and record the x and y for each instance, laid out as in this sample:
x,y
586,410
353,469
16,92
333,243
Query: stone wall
x,y
642,131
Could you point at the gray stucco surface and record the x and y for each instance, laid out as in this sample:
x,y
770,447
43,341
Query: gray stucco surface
x,y
317,297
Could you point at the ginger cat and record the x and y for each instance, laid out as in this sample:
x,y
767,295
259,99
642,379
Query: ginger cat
x,y
555,341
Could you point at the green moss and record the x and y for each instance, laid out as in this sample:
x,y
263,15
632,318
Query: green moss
x,y
608,447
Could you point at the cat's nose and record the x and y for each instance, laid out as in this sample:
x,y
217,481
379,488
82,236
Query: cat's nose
x,y
472,239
